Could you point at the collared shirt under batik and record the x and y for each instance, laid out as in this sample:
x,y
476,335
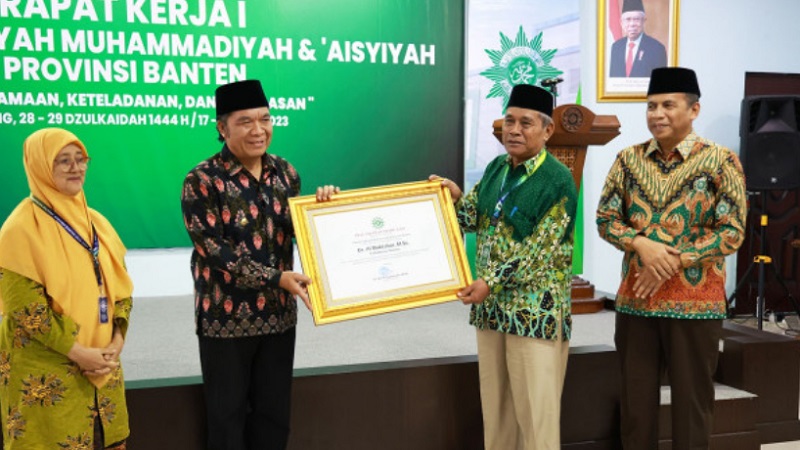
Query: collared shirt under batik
x,y
529,265
694,200
242,234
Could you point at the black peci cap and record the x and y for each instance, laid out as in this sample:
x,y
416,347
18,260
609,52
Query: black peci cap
x,y
664,80
531,97
632,5
240,95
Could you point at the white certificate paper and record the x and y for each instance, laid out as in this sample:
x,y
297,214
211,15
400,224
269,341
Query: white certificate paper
x,y
370,251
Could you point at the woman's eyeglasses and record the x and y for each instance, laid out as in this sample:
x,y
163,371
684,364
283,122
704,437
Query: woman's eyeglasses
x,y
65,164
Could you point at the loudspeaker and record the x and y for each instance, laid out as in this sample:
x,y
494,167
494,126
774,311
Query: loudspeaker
x,y
770,141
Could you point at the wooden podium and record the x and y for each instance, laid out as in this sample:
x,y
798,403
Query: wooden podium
x,y
577,127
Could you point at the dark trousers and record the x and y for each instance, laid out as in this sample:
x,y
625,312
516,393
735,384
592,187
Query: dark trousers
x,y
247,384
688,350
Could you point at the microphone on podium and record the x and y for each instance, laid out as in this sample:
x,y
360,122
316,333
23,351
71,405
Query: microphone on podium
x,y
551,84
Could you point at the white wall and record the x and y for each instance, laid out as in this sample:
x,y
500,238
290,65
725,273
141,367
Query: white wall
x,y
720,41
160,272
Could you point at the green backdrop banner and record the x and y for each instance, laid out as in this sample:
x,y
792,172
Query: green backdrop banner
x,y
363,93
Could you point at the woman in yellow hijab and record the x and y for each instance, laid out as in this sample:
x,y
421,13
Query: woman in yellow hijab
x,y
65,298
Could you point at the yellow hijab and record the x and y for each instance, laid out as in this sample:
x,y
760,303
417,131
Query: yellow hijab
x,y
35,246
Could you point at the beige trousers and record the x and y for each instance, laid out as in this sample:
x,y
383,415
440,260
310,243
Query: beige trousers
x,y
521,380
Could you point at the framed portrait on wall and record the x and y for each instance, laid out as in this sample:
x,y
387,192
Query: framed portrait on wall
x,y
634,37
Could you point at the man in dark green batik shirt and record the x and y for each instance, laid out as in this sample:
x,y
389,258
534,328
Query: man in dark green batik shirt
x,y
523,212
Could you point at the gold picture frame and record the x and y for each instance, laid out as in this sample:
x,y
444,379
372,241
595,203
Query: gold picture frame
x,y
614,82
378,250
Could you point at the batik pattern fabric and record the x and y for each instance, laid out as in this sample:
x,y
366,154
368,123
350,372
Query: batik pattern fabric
x,y
45,401
693,200
529,264
242,234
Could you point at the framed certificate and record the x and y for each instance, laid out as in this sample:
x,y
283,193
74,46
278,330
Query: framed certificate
x,y
378,250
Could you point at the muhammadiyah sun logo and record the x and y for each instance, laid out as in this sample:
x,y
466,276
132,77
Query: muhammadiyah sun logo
x,y
519,62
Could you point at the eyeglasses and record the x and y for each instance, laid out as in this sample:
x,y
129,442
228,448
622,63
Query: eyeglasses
x,y
65,163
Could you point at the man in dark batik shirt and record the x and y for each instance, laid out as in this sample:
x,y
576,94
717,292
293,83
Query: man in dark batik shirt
x,y
236,211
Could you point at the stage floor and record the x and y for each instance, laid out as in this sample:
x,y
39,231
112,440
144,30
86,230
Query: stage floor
x,y
162,347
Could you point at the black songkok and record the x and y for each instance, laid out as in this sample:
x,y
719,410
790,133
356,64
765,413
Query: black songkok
x,y
531,97
632,5
664,80
240,95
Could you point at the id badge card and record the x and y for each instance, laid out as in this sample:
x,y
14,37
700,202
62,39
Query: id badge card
x,y
483,254
103,309
103,306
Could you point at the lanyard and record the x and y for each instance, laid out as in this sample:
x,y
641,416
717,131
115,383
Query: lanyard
x,y
94,250
498,207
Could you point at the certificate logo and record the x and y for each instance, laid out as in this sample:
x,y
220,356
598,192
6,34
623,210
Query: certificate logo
x,y
384,271
518,62
378,223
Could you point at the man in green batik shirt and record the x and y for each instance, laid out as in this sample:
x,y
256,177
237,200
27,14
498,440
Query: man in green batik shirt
x,y
523,211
